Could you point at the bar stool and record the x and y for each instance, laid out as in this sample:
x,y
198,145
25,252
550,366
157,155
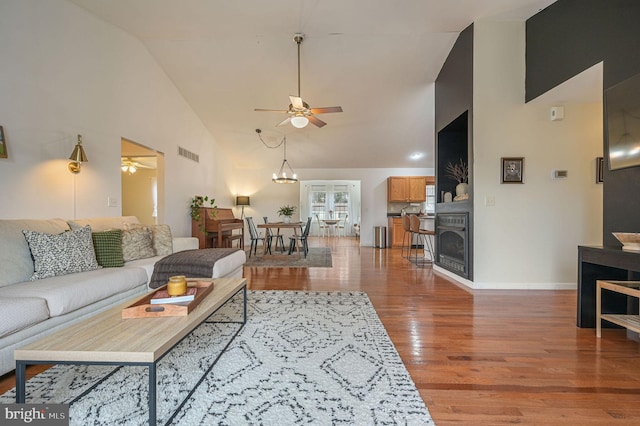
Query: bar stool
x,y
424,235
406,226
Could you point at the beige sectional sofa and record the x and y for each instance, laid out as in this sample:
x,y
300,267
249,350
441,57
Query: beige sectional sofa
x,y
38,295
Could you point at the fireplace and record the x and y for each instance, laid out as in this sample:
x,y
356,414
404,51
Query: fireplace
x,y
452,242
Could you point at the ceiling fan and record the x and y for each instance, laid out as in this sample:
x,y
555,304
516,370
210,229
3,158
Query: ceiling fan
x,y
299,113
128,164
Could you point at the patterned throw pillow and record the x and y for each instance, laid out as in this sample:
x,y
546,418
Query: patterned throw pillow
x,y
137,243
108,248
61,254
162,240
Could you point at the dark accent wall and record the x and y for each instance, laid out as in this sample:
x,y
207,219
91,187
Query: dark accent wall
x,y
567,38
454,97
454,85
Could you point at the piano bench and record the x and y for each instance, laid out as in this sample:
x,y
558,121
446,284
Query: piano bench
x,y
227,240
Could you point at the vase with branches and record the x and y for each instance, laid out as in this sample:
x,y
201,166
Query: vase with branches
x,y
460,173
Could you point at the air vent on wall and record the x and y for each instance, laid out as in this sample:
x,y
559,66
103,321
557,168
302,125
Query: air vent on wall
x,y
188,154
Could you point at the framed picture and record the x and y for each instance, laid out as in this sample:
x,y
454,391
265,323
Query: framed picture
x,y
512,170
599,169
3,144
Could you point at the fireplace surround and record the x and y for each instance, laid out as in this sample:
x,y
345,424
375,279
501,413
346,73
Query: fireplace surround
x,y
452,242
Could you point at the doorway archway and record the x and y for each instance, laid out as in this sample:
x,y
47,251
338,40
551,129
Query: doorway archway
x,y
142,181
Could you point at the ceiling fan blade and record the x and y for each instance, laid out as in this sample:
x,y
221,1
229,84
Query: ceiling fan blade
x,y
326,110
283,122
270,110
316,121
296,101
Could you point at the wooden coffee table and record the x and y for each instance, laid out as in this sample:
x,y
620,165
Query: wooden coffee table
x,y
107,339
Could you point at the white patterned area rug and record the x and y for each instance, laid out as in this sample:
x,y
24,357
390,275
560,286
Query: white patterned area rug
x,y
307,358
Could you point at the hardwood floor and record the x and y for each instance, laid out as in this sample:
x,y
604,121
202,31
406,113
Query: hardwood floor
x,y
484,357
480,357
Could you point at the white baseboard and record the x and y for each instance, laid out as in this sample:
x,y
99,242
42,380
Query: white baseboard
x,y
504,286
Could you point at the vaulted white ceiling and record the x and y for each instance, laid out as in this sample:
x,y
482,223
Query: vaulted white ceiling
x,y
377,59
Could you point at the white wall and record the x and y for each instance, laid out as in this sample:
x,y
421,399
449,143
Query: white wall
x,y
267,197
529,238
137,195
64,72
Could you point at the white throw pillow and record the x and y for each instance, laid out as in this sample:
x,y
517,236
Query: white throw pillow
x,y
61,254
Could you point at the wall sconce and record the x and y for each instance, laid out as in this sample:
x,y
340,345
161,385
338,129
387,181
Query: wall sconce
x,y
242,200
77,156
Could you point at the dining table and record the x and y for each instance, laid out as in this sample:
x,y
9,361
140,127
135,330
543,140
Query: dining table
x,y
281,225
330,224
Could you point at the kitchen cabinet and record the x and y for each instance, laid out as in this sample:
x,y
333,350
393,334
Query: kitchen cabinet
x,y
406,189
396,232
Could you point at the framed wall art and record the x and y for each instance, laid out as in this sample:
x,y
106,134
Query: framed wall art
x,y
3,144
599,169
512,170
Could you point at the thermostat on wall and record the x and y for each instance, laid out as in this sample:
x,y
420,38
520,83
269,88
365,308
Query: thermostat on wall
x,y
557,113
560,174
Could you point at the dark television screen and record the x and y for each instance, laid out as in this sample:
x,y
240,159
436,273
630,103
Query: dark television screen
x,y
622,109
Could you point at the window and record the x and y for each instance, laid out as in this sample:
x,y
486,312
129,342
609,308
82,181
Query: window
x,y
324,199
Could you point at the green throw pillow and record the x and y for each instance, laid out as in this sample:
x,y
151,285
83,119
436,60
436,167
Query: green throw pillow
x,y
108,248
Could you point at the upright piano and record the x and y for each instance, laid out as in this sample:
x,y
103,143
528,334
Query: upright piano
x,y
216,228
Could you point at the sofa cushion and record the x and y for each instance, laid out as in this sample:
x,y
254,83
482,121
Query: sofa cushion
x,y
16,263
61,254
17,313
137,243
98,224
67,293
108,248
146,264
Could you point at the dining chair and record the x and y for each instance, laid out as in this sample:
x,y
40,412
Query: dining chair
x,y
254,235
302,239
269,237
425,236
343,226
321,226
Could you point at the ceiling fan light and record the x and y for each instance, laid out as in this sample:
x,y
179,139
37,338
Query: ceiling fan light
x,y
299,121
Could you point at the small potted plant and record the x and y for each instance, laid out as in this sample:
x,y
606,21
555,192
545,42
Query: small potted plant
x,y
287,211
197,203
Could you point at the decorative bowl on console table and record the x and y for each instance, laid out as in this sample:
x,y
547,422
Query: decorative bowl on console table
x,y
629,240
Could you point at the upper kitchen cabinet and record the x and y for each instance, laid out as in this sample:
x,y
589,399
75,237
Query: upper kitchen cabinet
x,y
406,189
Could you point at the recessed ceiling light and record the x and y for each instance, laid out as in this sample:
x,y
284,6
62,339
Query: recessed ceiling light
x,y
416,156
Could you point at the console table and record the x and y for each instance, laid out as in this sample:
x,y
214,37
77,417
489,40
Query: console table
x,y
630,288
604,263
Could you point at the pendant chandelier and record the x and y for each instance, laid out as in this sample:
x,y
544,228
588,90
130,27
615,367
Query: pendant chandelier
x,y
286,173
